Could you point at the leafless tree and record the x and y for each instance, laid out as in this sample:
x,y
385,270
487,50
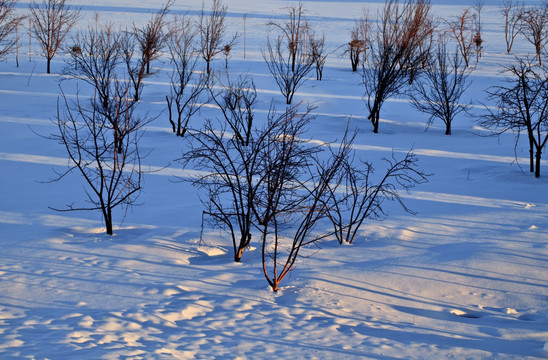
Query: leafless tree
x,y
294,31
478,38
97,64
52,21
9,22
512,13
292,200
462,29
521,106
95,61
186,82
135,66
396,52
111,170
535,27
237,100
212,29
355,197
287,56
439,90
232,173
152,37
288,77
359,41
318,53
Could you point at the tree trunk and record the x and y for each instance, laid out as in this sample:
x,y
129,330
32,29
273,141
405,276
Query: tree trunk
x,y
531,154
239,254
48,65
244,242
537,169
170,114
107,213
448,128
374,118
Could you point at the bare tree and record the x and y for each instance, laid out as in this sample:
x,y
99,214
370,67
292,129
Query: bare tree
x,y
95,56
232,173
462,29
52,21
237,100
478,38
439,91
359,41
355,197
152,37
186,82
521,106
294,31
317,53
96,63
288,77
512,13
135,66
397,51
292,200
9,21
287,56
111,170
211,29
535,27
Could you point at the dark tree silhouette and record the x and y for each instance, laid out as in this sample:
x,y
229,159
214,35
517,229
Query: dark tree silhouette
x,y
111,169
397,52
521,106
439,90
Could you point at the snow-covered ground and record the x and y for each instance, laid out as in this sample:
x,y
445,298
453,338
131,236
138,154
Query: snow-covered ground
x,y
465,278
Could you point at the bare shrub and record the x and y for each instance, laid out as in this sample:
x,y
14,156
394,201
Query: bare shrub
x,y
355,197
439,90
231,165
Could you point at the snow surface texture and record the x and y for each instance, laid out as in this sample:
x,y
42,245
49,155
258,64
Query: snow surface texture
x,y
466,278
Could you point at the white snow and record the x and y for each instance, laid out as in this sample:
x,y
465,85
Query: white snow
x,y
466,278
